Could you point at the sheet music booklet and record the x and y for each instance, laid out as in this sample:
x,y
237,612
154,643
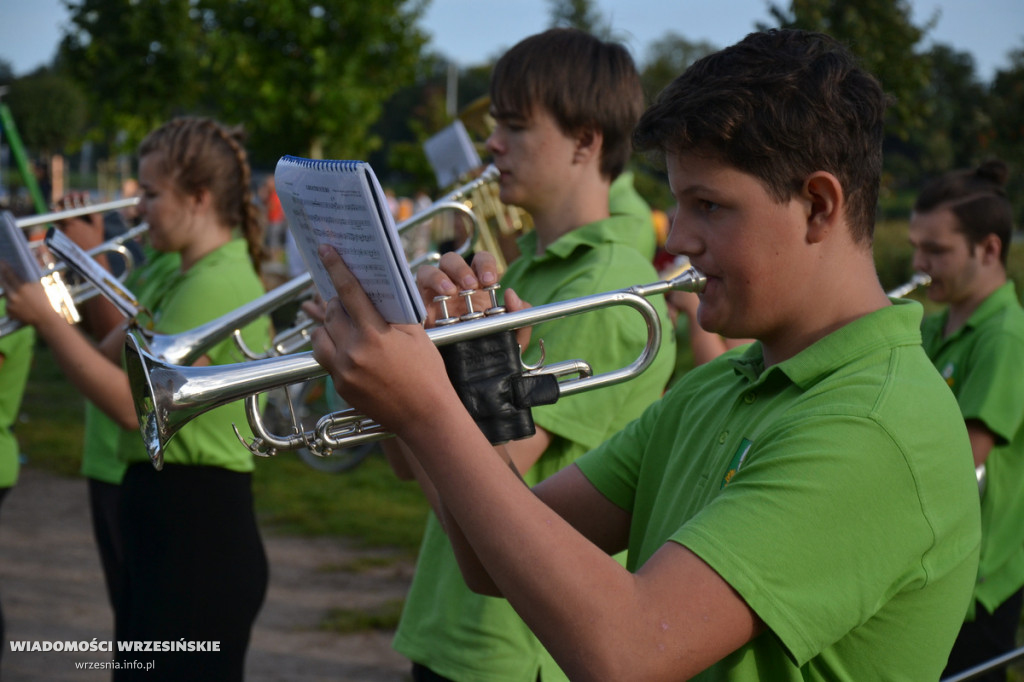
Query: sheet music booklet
x,y
341,203
85,265
15,251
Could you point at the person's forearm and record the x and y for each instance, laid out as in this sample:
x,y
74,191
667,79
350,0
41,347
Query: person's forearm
x,y
94,375
509,543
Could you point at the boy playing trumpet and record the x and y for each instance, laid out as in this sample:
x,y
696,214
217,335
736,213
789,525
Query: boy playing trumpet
x,y
565,104
804,509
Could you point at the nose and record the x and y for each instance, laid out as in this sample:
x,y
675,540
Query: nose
x,y
681,240
494,143
919,263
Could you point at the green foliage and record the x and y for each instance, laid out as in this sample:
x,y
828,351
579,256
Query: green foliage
x,y
1006,104
50,423
305,76
367,504
346,621
581,14
141,59
49,110
881,34
893,254
668,57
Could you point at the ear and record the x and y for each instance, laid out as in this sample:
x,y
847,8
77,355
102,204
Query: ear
x,y
826,205
202,200
589,143
990,246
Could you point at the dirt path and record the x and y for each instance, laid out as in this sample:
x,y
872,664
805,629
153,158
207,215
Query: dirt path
x,y
52,590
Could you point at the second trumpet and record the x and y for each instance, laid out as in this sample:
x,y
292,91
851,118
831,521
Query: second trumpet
x,y
168,396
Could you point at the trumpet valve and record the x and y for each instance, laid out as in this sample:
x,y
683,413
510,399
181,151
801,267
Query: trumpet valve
x,y
470,314
444,319
495,309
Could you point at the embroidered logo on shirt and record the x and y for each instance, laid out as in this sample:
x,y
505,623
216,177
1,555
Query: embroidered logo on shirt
x,y
947,374
737,461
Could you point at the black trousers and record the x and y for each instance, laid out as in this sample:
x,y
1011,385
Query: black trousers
x,y
195,570
105,509
986,637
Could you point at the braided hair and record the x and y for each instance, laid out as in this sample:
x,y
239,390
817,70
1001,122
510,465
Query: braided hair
x,y
200,153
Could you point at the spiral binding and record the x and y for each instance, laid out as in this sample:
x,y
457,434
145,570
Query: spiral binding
x,y
324,164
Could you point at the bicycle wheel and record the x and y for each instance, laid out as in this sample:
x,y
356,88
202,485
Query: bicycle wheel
x,y
312,400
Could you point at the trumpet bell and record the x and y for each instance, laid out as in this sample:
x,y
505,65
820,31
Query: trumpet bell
x,y
168,396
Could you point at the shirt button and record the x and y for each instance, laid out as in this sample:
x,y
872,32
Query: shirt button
x,y
749,398
723,436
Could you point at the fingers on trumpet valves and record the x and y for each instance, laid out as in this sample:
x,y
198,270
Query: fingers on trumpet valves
x,y
444,318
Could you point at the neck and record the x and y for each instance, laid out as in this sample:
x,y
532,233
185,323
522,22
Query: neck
x,y
960,311
843,295
211,239
582,203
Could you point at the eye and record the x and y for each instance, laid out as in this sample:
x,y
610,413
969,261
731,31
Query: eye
x,y
707,206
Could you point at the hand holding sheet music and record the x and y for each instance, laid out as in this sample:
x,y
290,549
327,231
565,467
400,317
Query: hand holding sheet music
x,y
15,251
341,203
85,265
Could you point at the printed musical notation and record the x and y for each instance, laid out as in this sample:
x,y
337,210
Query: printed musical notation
x,y
341,203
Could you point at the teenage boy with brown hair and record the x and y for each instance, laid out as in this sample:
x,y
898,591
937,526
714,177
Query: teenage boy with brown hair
x,y
803,509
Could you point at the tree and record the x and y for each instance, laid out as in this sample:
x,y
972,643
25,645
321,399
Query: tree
x,y
1007,142
581,14
881,34
668,57
6,72
313,75
49,110
304,76
140,59
959,123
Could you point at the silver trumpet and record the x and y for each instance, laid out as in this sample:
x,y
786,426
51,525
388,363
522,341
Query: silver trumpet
x,y
168,396
44,218
919,279
64,297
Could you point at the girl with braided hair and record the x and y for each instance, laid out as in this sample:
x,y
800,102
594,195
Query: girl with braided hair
x,y
195,569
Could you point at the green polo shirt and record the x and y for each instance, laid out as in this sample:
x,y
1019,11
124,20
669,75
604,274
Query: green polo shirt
x,y
468,637
221,281
100,460
834,491
624,200
983,363
16,350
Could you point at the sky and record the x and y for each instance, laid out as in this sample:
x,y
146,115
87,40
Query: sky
x,y
471,31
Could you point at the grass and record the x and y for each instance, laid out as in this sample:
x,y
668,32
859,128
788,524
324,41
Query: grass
x,y
367,505
347,621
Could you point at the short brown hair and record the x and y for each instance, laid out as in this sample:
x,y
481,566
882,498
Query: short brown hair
x,y
580,80
780,105
978,201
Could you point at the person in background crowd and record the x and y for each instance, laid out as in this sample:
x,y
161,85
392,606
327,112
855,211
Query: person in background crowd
x,y
195,569
16,351
565,104
961,228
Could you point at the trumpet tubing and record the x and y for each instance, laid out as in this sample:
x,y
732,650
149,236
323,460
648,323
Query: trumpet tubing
x,y
919,279
64,297
44,218
187,347
168,396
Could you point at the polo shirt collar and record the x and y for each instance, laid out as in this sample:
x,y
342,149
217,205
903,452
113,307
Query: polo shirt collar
x,y
895,325
620,229
1004,296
